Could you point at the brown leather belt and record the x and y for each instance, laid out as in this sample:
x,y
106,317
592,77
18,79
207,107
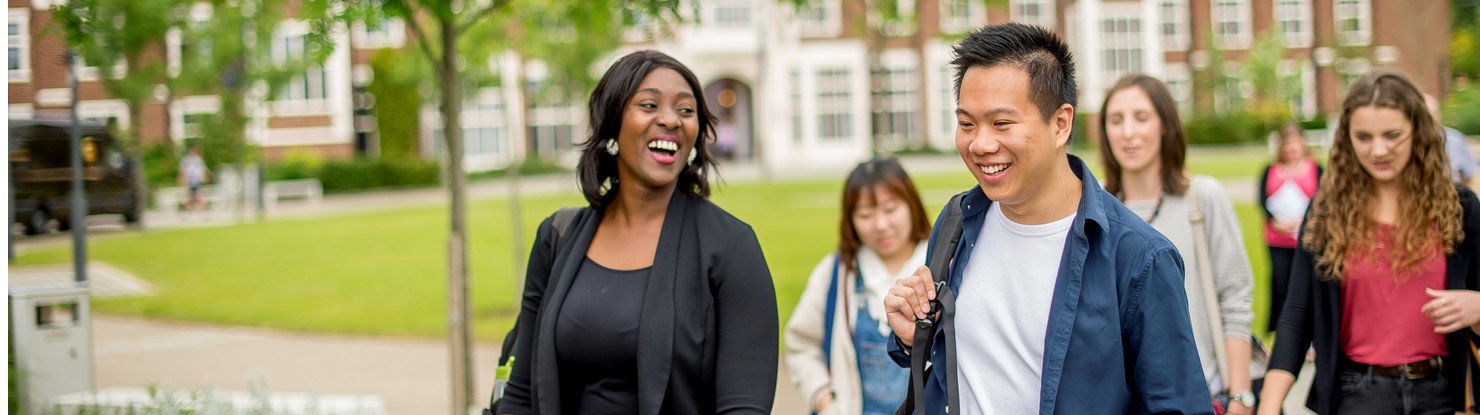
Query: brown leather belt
x,y
1411,371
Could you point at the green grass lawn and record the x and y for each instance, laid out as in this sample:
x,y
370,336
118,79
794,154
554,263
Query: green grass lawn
x,y
385,272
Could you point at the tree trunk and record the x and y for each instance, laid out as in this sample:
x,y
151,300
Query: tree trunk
x,y
458,315
134,148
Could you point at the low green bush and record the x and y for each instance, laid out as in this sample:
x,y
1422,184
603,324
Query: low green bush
x,y
1462,110
296,165
339,176
1228,128
162,164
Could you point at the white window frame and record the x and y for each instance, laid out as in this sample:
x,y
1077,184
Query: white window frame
x,y
905,25
1238,12
285,103
948,99
200,15
830,24
834,96
1348,69
485,135
1178,78
798,120
954,23
391,35
1304,71
898,94
20,17
551,117
1298,11
1045,16
1361,10
1174,14
1222,100
1127,45
713,9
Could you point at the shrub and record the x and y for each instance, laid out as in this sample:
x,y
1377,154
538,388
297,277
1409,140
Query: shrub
x,y
1462,110
162,164
296,165
1228,128
339,176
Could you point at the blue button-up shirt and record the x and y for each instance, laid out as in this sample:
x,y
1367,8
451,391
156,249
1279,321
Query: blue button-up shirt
x,y
1119,339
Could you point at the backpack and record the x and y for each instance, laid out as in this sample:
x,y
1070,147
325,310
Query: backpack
x,y
561,221
943,250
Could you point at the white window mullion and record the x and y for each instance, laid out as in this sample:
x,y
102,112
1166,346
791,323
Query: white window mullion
x,y
18,52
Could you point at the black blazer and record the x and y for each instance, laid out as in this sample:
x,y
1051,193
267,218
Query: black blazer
x,y
1313,312
708,334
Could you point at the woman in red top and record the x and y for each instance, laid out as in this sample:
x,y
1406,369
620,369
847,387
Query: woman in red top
x,y
1285,190
1383,281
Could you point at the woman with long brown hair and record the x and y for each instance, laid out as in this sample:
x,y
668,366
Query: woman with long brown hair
x,y
1145,156
836,340
1383,281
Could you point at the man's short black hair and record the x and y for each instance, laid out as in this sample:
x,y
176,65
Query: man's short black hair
x,y
1034,49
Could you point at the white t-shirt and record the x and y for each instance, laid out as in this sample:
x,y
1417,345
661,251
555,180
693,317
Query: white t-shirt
x,y
1002,314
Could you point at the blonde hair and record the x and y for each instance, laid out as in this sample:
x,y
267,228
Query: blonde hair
x,y
1428,211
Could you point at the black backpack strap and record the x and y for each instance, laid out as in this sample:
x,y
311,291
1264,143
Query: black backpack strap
x,y
561,221
947,238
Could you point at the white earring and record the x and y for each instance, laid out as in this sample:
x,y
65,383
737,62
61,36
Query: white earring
x,y
611,147
693,154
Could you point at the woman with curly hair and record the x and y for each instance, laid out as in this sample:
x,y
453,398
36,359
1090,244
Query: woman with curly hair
x,y
1384,279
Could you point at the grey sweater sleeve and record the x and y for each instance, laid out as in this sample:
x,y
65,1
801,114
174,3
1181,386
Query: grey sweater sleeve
x,y
1231,270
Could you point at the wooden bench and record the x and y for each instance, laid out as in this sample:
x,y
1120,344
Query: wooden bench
x,y
310,190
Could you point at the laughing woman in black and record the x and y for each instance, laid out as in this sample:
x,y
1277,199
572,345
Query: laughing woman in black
x,y
655,301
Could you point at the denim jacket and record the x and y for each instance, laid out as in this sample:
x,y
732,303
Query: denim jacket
x,y
1119,338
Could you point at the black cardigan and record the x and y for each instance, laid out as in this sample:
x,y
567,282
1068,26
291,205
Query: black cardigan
x,y
708,334
1313,312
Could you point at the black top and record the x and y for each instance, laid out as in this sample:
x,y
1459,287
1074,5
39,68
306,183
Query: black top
x,y
1312,314
596,339
707,342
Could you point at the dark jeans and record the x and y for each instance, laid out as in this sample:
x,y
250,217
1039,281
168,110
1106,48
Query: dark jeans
x,y
1362,393
1280,260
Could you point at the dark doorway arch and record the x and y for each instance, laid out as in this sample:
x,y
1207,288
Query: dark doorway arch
x,y
731,102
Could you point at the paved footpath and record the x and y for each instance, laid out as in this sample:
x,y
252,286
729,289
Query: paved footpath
x,y
412,375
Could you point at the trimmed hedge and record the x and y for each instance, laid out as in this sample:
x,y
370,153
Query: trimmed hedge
x,y
358,174
338,176
1228,128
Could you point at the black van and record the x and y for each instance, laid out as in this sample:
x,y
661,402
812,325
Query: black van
x,y
41,174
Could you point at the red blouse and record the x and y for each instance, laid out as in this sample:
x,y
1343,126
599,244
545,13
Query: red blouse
x,y
1382,323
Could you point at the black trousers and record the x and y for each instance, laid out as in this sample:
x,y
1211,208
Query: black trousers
x,y
1280,260
1363,393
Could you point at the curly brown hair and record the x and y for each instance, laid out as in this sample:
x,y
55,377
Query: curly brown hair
x,y
1429,209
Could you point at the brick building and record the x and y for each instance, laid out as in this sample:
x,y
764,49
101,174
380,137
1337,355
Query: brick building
x,y
799,85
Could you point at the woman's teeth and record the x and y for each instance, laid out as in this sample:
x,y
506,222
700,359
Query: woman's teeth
x,y
663,145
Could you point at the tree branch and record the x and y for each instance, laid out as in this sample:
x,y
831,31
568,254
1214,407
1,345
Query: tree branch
x,y
421,37
492,7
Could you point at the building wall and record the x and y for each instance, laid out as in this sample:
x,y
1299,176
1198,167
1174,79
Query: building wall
x,y
45,92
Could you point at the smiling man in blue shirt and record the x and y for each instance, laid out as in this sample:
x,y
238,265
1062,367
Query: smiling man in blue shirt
x,y
1065,301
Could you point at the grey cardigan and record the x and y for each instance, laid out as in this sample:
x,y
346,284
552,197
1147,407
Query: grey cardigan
x,y
708,335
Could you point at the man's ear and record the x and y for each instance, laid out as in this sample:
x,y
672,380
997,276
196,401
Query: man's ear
x,y
1063,123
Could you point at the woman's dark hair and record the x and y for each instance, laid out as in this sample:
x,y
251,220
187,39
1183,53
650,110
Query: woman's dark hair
x,y
1173,138
596,169
880,173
